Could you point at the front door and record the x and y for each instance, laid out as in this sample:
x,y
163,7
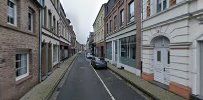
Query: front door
x,y
161,63
161,60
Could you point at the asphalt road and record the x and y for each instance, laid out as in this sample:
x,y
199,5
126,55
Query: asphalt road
x,y
84,83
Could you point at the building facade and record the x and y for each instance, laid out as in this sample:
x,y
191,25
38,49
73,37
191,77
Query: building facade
x,y
19,45
50,36
120,34
65,36
99,32
172,52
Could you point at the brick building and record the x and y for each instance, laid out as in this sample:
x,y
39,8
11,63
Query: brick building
x,y
120,34
19,44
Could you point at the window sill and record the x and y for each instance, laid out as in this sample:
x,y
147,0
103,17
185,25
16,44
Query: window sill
x,y
18,82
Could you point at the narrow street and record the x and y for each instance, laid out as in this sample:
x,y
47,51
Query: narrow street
x,y
83,83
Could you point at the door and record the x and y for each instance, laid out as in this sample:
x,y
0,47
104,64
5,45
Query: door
x,y
159,68
201,68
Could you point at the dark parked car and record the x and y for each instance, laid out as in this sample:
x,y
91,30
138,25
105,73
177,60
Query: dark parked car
x,y
99,63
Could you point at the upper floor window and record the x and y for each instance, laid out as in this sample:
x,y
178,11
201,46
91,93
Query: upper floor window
x,y
50,19
110,27
30,19
115,22
121,17
54,24
131,11
107,27
161,5
11,18
172,2
148,8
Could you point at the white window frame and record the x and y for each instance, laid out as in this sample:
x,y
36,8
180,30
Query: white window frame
x,y
162,5
15,13
32,20
131,17
26,74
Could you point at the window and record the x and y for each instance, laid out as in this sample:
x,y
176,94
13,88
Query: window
x,y
110,26
148,8
168,57
107,28
45,16
115,22
30,20
11,18
50,20
131,11
54,24
121,17
172,2
55,53
22,66
158,55
161,5
124,47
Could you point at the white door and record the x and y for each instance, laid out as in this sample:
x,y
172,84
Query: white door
x,y
201,68
161,60
158,68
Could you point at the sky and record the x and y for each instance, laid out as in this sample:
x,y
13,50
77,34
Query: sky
x,y
82,14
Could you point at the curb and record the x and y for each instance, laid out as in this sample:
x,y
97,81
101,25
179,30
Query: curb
x,y
134,85
50,94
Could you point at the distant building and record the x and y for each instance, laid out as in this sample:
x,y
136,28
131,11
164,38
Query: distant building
x,y
99,33
19,47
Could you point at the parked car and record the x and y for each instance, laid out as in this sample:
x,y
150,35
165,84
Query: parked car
x,y
89,56
99,63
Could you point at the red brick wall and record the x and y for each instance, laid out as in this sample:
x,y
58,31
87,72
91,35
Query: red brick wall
x,y
12,39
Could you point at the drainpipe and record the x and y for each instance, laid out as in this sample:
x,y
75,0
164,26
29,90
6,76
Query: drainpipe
x,y
40,44
138,32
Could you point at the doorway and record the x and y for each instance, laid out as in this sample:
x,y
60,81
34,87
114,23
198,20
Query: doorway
x,y
161,59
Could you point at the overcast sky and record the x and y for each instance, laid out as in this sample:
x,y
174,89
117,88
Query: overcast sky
x,y
82,14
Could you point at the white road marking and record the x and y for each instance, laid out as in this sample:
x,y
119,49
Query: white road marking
x,y
103,84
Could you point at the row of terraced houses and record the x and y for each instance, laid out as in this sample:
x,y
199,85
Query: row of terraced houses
x,y
159,40
35,36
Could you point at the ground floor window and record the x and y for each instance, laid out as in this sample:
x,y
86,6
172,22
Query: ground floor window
x,y
109,50
127,51
22,64
55,53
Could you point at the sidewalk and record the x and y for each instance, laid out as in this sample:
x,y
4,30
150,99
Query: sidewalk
x,y
152,90
44,90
